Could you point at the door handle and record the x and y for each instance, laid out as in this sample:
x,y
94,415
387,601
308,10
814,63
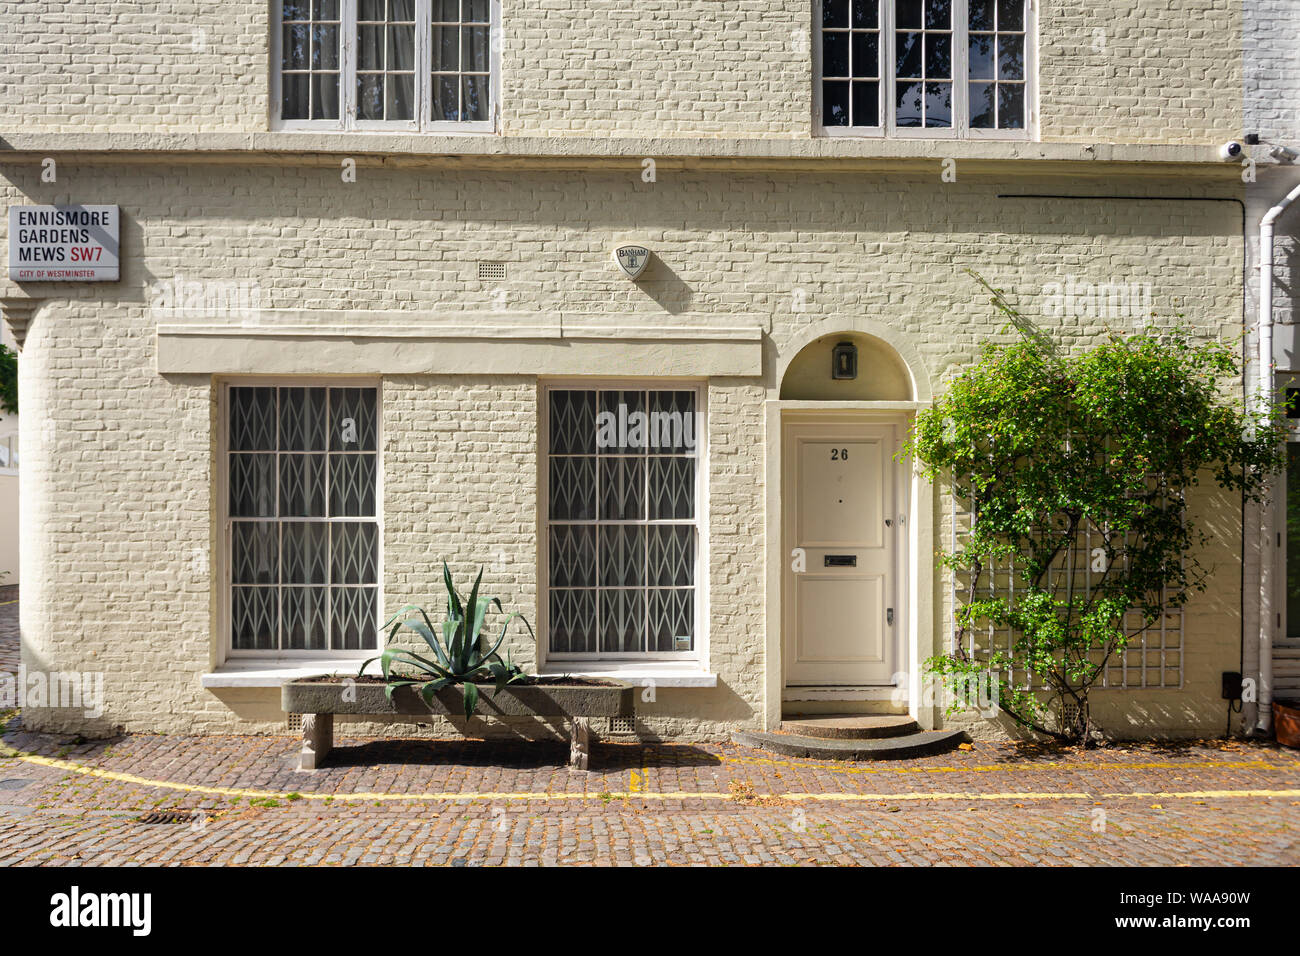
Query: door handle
x,y
889,616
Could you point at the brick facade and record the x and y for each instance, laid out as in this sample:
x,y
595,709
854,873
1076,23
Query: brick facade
x,y
120,533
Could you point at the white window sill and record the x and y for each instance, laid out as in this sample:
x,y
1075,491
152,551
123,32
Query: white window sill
x,y
662,674
274,672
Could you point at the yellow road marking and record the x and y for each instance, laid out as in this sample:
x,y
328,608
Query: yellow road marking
x,y
119,777
1017,768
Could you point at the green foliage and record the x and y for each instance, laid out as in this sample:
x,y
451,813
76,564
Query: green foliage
x,y
8,380
460,654
1077,468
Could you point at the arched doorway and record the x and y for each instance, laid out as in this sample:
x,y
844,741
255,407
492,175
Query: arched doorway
x,y
845,592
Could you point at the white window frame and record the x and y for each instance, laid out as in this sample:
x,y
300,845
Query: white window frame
x,y
10,441
423,121
571,661
960,93
225,563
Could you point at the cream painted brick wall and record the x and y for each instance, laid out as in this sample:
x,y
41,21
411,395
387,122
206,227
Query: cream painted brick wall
x,y
1160,71
117,535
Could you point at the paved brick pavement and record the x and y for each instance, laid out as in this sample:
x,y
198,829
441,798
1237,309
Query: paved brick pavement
x,y
477,803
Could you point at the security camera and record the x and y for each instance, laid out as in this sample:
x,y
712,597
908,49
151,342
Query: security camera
x,y
1284,154
1231,150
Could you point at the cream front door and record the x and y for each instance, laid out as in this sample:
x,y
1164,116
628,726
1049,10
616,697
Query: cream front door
x,y
841,531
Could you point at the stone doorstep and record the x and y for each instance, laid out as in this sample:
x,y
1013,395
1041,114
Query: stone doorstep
x,y
924,743
850,726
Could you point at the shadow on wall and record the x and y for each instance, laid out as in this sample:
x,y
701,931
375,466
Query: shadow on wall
x,y
881,376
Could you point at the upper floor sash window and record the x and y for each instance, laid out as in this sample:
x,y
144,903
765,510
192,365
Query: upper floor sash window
x,y
932,68
408,65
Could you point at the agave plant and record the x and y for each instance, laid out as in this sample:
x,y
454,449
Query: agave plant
x,y
460,654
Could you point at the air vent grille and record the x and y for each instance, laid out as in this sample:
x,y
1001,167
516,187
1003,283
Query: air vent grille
x,y
622,727
492,271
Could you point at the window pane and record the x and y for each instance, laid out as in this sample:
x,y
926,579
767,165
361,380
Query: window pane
x,y
325,9
401,11
254,618
622,489
354,419
835,13
252,419
304,552
866,104
446,98
908,106
672,488
325,48
938,105
866,14
294,102
474,49
354,623
477,102
622,555
982,106
302,419
835,54
354,553
938,14
573,422
401,48
835,104
400,101
672,423
572,560
352,486
981,57
671,556
302,486
476,11
296,10
306,613
573,621
325,96
446,48
1011,14
252,486
907,51
370,9
938,56
446,11
621,426
866,55
1011,58
370,47
671,620
1011,106
297,47
622,621
370,96
573,489
255,552
907,14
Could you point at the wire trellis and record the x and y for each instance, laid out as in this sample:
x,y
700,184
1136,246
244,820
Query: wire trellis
x,y
1153,657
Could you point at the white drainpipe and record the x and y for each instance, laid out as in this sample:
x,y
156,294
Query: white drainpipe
x,y
1264,396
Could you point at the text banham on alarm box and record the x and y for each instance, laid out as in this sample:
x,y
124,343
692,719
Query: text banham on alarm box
x,y
63,243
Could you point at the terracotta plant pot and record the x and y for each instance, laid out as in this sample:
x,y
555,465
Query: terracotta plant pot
x,y
1286,722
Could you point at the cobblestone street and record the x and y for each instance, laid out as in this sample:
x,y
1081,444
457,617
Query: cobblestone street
x,y
474,803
